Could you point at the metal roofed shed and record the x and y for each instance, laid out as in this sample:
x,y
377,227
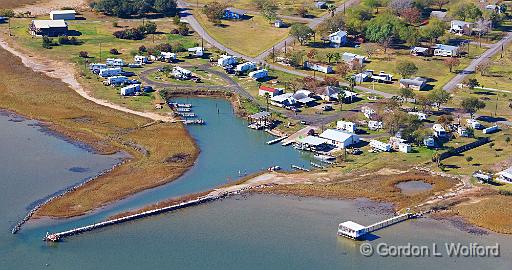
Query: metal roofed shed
x,y
62,14
351,229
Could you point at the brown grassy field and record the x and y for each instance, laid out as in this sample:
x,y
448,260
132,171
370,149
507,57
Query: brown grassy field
x,y
372,186
160,152
492,212
14,3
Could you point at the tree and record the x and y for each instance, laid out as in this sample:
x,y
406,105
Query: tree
x,y
329,56
483,68
267,8
301,32
370,49
149,28
183,29
397,6
302,11
469,159
451,62
114,51
267,98
471,105
434,30
406,68
296,58
341,98
472,83
337,57
424,102
9,13
356,19
507,140
411,35
465,11
439,97
83,54
47,42
373,4
342,69
332,24
440,3
166,7
411,15
484,27
395,120
214,11
407,93
383,29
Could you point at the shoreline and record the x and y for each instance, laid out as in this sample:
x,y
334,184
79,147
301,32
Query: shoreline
x,y
74,130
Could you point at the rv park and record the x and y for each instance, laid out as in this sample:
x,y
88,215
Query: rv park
x,y
363,86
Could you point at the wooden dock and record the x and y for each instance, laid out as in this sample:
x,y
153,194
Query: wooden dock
x,y
353,230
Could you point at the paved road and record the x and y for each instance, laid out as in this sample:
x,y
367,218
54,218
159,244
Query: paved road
x,y
232,85
313,24
493,50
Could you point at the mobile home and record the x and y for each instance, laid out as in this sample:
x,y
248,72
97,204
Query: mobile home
x,y
380,146
62,14
110,72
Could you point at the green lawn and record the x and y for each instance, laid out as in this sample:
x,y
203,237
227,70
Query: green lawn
x,y
250,37
96,36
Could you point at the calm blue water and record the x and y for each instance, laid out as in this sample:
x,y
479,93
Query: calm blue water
x,y
255,232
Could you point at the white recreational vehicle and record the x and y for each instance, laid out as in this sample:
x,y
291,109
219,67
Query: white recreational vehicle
x,y
245,67
130,90
259,74
181,73
380,146
115,62
110,72
227,60
116,80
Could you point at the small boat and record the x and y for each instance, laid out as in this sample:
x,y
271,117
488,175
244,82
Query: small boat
x,y
194,122
51,237
184,114
183,110
274,168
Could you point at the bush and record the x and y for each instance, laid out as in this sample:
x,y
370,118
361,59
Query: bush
x,y
6,13
126,9
178,47
148,28
164,47
115,24
114,51
83,54
47,42
183,29
131,34
65,40
142,49
175,31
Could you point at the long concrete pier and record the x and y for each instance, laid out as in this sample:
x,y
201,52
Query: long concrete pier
x,y
214,195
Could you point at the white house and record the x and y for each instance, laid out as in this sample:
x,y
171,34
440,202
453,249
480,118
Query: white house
x,y
421,116
318,67
338,39
142,59
196,51
346,126
474,124
247,66
110,72
303,97
339,138
226,60
375,125
381,77
461,27
181,73
446,50
351,229
283,100
50,28
130,90
62,14
351,58
505,176
380,146
417,83
272,92
258,74
115,62
439,131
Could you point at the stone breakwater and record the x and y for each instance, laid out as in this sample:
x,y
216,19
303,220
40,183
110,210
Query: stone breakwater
x,y
16,228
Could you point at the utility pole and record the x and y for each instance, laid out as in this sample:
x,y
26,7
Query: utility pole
x,y
501,50
274,54
496,109
344,8
285,47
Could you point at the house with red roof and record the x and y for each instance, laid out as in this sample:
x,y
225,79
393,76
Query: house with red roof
x,y
271,91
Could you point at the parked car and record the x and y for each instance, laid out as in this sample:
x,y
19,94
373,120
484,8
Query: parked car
x,y
147,89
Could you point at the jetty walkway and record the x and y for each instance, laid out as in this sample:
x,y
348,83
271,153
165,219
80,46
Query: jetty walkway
x,y
214,195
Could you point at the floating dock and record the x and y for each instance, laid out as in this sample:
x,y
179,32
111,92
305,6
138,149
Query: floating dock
x,y
357,231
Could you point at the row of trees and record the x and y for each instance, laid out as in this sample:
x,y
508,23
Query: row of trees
x,y
126,9
137,33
